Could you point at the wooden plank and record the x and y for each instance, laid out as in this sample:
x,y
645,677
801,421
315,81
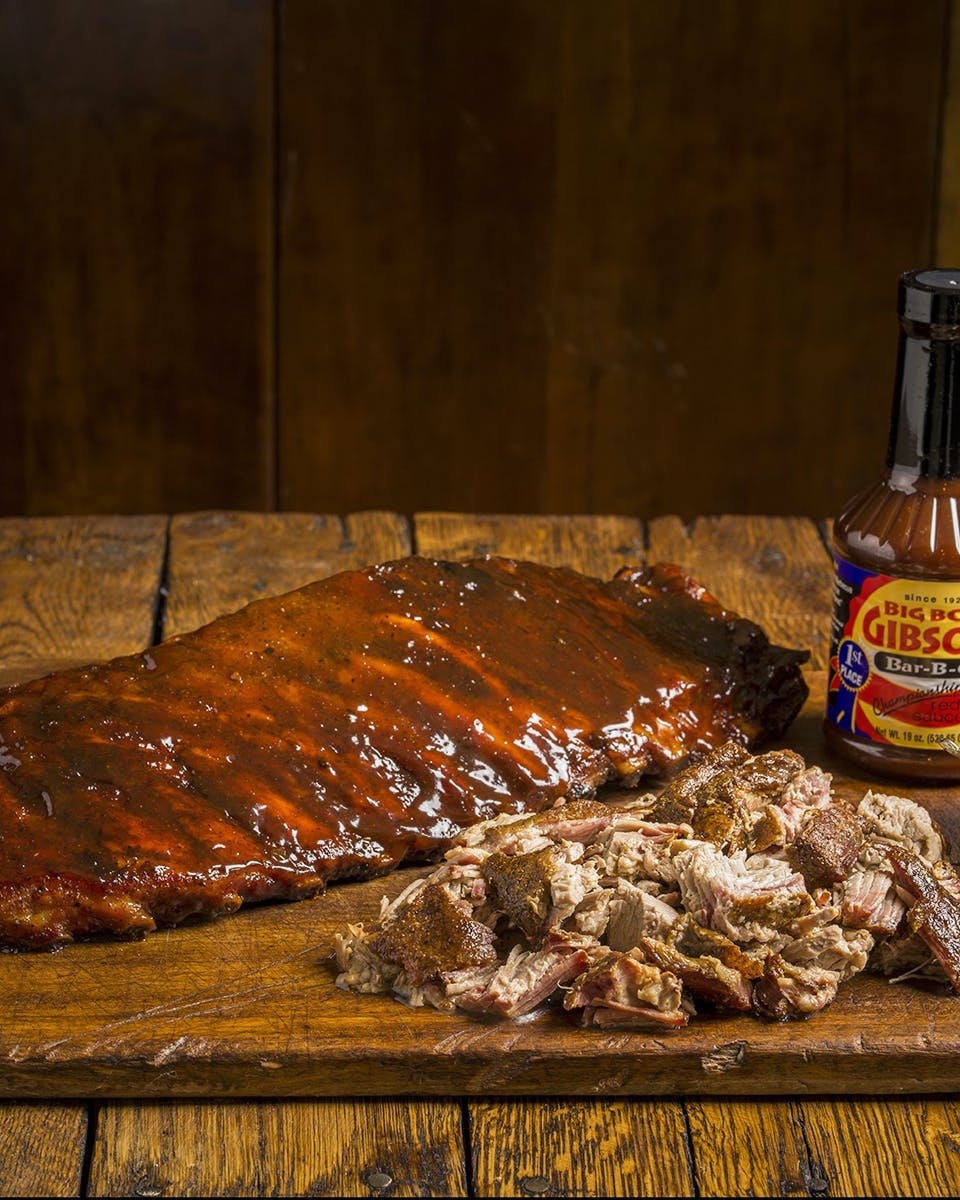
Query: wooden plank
x,y
579,1148
597,545
491,308
136,349
310,1148
880,1147
775,570
220,561
76,589
416,151
887,1147
750,1148
41,1149
947,246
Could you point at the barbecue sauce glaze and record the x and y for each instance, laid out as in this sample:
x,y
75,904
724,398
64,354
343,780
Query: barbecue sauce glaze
x,y
366,719
894,684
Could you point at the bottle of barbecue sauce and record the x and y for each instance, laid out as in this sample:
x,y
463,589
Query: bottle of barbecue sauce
x,y
894,681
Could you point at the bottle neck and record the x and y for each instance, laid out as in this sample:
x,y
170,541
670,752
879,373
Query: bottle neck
x,y
925,425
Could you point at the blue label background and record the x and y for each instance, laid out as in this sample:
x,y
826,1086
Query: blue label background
x,y
848,583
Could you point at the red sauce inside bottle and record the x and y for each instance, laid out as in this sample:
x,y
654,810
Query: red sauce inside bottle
x,y
894,686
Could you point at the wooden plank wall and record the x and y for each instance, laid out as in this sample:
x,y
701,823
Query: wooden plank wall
x,y
513,255
136,254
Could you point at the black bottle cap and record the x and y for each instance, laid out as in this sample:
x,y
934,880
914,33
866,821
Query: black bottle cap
x,y
930,296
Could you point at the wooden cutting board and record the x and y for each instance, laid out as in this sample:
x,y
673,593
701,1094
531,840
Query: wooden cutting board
x,y
247,1006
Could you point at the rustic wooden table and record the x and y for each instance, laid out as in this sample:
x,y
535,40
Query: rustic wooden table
x,y
75,590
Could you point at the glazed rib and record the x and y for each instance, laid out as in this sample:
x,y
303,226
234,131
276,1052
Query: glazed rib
x,y
358,722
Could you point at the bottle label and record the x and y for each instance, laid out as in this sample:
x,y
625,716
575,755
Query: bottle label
x,y
895,658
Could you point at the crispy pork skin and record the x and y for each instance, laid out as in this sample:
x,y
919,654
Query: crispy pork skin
x,y
366,719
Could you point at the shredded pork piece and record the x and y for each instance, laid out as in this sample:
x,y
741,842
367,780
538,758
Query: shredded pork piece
x,y
811,789
868,899
831,948
934,912
745,886
901,822
635,914
787,990
623,990
526,979
705,976
750,899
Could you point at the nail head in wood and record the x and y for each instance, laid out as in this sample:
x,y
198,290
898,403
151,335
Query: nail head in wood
x,y
535,1185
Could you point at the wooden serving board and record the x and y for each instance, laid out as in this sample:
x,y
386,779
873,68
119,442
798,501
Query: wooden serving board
x,y
247,1006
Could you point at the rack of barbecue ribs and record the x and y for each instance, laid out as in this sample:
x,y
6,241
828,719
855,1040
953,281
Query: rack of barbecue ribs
x,y
356,723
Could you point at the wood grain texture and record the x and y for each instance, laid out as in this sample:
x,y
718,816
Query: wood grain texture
x,y
417,146
885,1147
319,1148
137,255
948,199
750,1148
596,545
579,1148
480,304
775,570
863,1147
220,561
76,589
41,1149
491,308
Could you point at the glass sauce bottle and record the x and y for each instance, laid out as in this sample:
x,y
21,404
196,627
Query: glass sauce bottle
x,y
894,682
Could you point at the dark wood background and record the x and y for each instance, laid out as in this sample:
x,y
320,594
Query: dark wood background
x,y
506,255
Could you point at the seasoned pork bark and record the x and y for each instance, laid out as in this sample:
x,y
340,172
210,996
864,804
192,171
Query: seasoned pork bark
x,y
788,990
704,975
538,890
827,844
719,796
433,936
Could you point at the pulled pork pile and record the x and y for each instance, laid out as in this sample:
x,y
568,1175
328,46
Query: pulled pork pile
x,y
744,885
